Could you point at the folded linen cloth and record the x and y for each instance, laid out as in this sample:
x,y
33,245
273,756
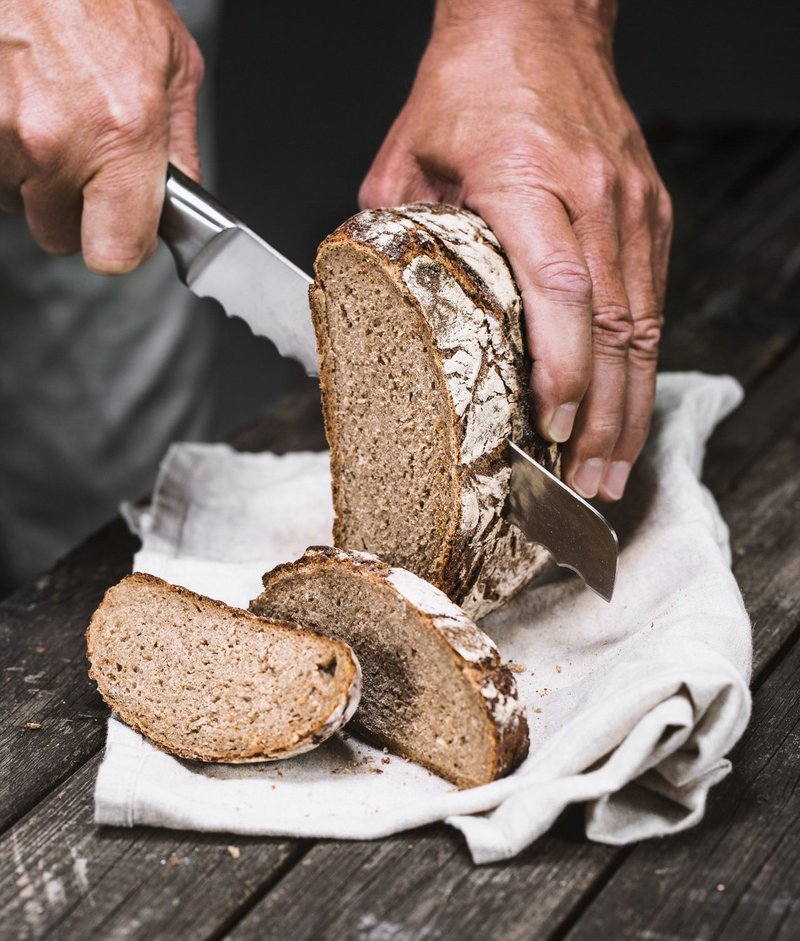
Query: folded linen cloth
x,y
632,705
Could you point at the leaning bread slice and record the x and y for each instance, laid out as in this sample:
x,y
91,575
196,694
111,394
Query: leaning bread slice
x,y
435,690
424,376
215,683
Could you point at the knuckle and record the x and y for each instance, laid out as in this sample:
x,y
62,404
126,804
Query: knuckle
x,y
565,275
647,336
134,120
197,65
664,211
42,141
640,192
603,176
613,327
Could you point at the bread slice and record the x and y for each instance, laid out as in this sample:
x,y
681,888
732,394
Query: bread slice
x,y
435,690
424,376
215,683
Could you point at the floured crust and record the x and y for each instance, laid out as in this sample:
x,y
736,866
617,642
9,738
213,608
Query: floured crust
x,y
475,654
448,265
338,717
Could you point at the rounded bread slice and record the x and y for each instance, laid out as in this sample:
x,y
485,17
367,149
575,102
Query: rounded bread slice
x,y
424,376
435,690
207,681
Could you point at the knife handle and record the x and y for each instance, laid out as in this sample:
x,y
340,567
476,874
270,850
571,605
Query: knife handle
x,y
190,219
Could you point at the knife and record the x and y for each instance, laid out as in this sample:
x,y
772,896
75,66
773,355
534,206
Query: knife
x,y
218,256
576,535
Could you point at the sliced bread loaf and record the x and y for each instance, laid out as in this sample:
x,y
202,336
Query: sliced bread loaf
x,y
215,683
435,690
424,376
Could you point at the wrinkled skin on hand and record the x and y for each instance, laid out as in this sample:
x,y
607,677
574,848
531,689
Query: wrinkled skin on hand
x,y
97,96
516,113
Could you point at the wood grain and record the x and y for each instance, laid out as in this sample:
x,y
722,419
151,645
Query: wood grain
x,y
64,878
735,280
44,671
423,886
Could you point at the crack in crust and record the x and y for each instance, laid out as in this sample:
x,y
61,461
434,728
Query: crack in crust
x,y
448,265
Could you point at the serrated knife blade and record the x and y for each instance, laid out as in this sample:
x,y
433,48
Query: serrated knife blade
x,y
577,535
218,256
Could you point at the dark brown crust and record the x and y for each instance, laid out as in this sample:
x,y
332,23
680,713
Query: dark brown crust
x,y
507,742
512,739
344,655
459,566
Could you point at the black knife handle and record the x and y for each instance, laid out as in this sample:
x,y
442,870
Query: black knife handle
x,y
190,219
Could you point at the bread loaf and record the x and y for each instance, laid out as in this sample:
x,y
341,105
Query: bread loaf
x,y
424,376
214,683
435,690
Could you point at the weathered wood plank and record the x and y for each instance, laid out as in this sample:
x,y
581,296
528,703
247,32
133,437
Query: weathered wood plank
x,y
761,508
767,412
64,878
737,877
423,886
705,168
44,671
736,281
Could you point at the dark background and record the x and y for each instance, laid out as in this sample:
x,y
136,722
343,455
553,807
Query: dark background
x,y
306,92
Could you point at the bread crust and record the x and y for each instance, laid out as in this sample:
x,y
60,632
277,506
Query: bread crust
x,y
450,269
474,653
340,715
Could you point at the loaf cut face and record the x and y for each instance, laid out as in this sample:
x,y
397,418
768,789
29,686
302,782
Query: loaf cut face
x,y
215,683
435,690
424,376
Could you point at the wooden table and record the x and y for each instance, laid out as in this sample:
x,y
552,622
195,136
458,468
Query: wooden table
x,y
733,307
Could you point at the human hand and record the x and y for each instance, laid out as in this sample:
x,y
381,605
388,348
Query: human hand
x,y
516,114
96,97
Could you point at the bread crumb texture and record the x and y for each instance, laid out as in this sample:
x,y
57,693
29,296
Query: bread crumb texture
x,y
435,690
215,683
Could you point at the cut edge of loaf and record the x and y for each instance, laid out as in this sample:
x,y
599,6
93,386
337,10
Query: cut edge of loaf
x,y
439,258
339,715
474,654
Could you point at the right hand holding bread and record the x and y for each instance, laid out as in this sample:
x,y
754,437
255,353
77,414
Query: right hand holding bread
x,y
97,96
516,114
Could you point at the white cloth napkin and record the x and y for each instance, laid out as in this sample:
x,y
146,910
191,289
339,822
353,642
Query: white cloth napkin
x,y
632,705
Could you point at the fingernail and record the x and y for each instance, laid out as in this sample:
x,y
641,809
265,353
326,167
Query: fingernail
x,y
561,422
616,477
587,477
